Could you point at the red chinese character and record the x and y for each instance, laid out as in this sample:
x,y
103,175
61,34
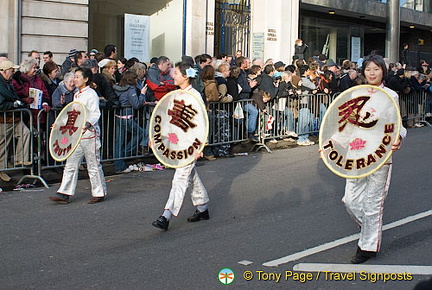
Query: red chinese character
x,y
182,115
72,116
350,112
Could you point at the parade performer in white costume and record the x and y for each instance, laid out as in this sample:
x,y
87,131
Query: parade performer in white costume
x,y
186,177
364,197
89,146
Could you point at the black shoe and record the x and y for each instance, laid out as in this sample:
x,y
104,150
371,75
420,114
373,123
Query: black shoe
x,y
161,223
197,216
362,256
60,198
253,138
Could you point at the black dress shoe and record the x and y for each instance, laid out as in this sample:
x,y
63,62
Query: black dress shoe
x,y
94,200
362,256
197,216
161,223
60,198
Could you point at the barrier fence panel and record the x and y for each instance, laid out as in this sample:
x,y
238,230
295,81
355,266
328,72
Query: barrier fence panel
x,y
285,116
226,124
17,144
124,131
415,107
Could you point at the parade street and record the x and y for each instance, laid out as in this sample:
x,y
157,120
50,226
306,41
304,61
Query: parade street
x,y
276,220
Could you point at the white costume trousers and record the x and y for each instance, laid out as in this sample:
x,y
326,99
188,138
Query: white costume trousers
x,y
89,147
364,201
186,178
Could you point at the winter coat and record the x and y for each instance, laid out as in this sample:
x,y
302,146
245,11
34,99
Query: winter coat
x,y
159,84
128,98
62,90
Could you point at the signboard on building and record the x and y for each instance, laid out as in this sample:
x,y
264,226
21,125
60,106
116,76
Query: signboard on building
x,y
355,48
258,45
137,37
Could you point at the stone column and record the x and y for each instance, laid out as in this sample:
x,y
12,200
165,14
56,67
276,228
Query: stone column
x,y
199,22
278,22
392,31
9,39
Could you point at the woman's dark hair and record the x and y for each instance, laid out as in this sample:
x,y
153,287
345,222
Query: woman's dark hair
x,y
123,60
130,62
86,73
129,78
207,73
183,66
327,74
376,59
235,71
49,67
268,69
255,69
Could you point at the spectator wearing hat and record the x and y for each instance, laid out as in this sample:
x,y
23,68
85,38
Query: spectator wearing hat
x,y
279,66
92,54
67,64
11,126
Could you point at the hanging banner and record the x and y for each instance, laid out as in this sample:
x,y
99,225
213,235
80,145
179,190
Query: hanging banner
x,y
137,37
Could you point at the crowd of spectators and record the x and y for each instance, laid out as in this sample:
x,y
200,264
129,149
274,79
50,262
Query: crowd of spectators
x,y
132,83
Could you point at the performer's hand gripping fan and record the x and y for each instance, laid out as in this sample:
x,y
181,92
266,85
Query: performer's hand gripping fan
x,y
178,128
358,131
67,130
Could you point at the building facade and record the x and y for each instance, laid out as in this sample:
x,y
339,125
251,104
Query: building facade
x,y
260,28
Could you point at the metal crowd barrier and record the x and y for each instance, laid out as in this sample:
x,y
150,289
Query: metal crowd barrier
x,y
284,116
16,143
415,107
227,127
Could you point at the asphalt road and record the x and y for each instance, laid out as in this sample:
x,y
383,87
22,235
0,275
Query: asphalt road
x,y
263,207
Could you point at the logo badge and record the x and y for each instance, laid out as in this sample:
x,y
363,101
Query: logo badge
x,y
226,276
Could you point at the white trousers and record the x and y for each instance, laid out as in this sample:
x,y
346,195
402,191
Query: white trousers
x,y
364,201
186,178
89,147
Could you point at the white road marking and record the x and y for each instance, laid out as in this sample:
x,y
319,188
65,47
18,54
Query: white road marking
x,y
245,263
342,241
349,268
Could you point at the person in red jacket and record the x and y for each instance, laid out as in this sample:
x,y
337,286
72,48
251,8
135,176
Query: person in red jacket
x,y
159,81
25,79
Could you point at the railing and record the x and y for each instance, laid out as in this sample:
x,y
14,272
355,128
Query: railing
x,y
24,146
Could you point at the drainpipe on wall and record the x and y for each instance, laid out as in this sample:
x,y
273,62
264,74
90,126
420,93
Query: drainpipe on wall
x,y
184,27
19,31
392,30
